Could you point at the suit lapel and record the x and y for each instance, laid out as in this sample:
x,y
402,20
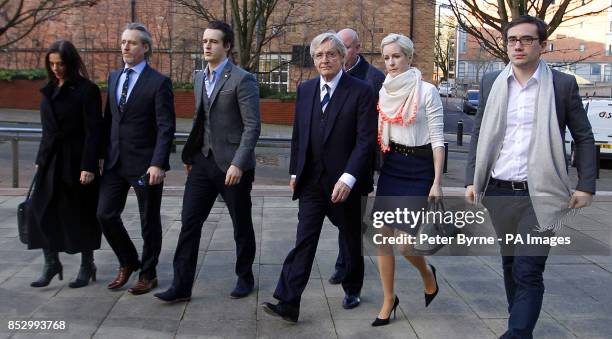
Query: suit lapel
x,y
199,84
112,90
335,104
224,75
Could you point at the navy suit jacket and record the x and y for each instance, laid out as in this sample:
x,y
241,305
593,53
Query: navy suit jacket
x,y
349,136
142,135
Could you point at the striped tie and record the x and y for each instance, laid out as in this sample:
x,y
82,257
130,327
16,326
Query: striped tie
x,y
124,89
325,100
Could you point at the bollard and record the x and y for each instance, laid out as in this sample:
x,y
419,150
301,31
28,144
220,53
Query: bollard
x,y
598,158
445,170
460,133
15,153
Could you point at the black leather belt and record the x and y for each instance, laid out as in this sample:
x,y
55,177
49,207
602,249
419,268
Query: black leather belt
x,y
513,185
411,150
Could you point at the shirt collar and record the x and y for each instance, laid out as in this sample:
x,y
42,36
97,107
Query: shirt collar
x,y
217,69
356,63
332,84
138,68
535,77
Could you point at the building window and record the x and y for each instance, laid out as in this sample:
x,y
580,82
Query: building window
x,y
551,47
581,48
596,69
462,41
610,26
609,50
274,71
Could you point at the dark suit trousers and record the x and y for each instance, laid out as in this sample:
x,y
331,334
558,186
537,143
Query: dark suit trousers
x,y
314,205
113,194
204,182
523,265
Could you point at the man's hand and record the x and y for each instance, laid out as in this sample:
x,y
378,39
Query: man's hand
x,y
340,193
156,175
86,177
469,194
580,199
187,169
233,175
292,184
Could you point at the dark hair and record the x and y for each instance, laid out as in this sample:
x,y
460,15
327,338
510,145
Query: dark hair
x,y
145,36
528,19
228,32
73,64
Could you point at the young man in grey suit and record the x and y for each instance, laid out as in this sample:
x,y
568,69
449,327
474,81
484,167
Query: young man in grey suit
x,y
517,164
219,157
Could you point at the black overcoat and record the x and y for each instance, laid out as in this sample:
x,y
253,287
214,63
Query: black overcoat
x,y
63,213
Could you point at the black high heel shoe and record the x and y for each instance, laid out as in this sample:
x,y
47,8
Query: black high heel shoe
x,y
430,297
383,322
51,268
85,273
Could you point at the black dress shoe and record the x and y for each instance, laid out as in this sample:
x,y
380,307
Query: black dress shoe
x,y
287,313
241,291
336,278
351,301
430,297
172,296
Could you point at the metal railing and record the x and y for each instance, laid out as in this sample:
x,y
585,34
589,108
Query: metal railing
x,y
16,134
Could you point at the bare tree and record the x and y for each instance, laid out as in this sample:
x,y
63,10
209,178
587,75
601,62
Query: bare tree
x,y
473,16
253,24
19,18
443,44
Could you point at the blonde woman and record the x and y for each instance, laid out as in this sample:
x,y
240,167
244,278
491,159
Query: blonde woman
x,y
410,134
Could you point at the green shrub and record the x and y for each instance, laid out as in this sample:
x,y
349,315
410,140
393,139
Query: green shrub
x,y
23,74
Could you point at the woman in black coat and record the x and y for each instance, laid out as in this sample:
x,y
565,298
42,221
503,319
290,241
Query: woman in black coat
x,y
66,191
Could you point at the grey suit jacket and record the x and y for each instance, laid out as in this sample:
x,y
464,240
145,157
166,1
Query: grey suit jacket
x,y
570,114
234,119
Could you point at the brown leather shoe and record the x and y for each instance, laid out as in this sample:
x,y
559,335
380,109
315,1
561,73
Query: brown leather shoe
x,y
143,286
122,277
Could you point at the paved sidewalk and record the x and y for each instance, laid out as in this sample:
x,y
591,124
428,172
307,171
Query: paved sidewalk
x,y
471,303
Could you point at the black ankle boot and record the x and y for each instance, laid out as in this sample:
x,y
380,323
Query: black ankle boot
x,y
86,272
52,267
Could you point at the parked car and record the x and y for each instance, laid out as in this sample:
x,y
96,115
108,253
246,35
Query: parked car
x,y
599,112
470,101
446,90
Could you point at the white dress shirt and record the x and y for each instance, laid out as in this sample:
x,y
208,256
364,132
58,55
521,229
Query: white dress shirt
x,y
136,71
514,155
346,178
429,124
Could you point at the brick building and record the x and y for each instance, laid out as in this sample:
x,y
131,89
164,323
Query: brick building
x,y
177,51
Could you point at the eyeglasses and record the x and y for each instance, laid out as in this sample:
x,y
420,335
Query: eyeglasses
x,y
329,55
525,41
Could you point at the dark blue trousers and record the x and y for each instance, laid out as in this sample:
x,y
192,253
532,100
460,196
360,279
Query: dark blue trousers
x,y
523,265
314,205
204,182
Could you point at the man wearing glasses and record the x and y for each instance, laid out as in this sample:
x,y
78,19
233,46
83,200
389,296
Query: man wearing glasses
x,y
517,152
331,154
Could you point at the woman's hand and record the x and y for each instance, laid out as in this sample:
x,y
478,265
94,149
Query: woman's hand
x,y
435,193
87,177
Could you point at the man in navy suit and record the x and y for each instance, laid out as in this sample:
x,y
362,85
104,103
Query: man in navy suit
x,y
331,154
139,124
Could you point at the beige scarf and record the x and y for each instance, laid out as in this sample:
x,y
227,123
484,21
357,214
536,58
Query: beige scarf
x,y
398,103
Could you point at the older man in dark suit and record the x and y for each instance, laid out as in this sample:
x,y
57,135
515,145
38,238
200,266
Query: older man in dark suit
x,y
517,162
356,65
139,129
220,159
331,154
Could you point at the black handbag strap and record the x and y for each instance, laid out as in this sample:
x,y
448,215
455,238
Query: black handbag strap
x,y
32,184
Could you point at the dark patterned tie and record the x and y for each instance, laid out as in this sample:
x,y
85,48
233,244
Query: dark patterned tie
x,y
124,90
325,100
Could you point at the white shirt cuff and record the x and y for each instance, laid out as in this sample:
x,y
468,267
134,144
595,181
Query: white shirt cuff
x,y
293,176
348,179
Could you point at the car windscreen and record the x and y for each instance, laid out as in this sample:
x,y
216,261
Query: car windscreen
x,y
472,96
